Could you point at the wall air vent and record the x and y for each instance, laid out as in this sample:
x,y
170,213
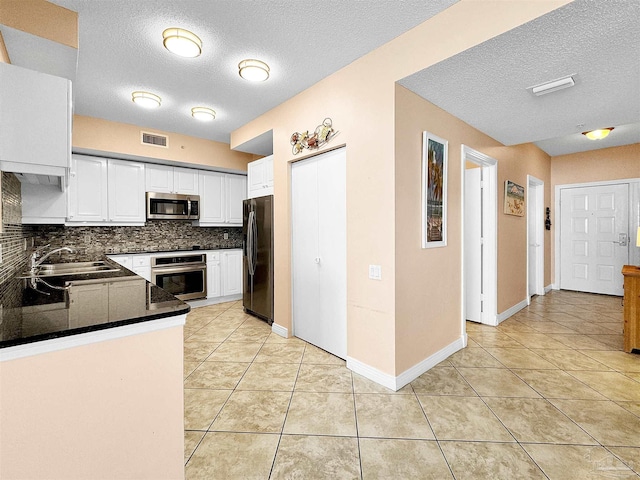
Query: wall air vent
x,y
155,139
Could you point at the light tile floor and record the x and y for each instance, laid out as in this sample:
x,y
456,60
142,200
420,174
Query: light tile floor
x,y
547,394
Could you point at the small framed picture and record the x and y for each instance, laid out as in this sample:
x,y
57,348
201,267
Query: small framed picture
x,y
513,199
434,191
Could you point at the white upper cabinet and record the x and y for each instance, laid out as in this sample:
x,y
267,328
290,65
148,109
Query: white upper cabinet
x,y
126,191
106,191
161,178
221,196
185,180
236,188
158,178
35,122
88,190
260,177
212,198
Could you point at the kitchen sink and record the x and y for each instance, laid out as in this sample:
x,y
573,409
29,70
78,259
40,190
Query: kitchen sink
x,y
66,269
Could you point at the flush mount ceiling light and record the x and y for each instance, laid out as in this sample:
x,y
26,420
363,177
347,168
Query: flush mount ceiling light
x,y
552,86
598,134
203,113
182,42
253,70
146,99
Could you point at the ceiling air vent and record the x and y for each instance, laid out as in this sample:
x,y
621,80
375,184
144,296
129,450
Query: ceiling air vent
x,y
155,139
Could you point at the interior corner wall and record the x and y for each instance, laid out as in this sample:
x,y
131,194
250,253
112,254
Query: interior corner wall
x,y
428,281
360,100
614,163
120,138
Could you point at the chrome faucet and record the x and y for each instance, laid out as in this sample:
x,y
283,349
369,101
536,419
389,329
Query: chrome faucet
x,y
35,262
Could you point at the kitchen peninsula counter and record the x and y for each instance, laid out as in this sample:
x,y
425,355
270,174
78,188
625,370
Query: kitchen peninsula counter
x,y
91,379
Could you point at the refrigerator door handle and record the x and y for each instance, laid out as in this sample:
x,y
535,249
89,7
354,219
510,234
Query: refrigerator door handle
x,y
251,243
254,251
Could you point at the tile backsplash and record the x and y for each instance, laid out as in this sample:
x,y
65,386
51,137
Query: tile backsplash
x,y
14,234
91,243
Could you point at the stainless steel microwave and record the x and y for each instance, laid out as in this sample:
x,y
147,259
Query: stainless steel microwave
x,y
172,206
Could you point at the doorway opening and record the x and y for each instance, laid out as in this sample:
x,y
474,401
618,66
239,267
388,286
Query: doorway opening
x,y
479,237
535,237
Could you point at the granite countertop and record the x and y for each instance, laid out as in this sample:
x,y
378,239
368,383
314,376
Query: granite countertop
x,y
70,305
202,249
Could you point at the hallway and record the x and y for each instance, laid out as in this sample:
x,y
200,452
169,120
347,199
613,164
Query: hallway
x,y
546,394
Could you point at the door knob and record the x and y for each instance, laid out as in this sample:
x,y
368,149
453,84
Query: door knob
x,y
317,260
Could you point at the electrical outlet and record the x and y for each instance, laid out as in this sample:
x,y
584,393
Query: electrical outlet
x,y
375,272
24,245
226,236
0,253
1,313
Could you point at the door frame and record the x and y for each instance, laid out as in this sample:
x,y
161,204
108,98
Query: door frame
x,y
490,230
537,210
633,212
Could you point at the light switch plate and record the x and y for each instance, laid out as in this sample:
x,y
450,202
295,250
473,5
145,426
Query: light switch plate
x,y
375,272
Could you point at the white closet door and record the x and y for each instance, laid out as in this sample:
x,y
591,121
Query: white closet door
x,y
318,194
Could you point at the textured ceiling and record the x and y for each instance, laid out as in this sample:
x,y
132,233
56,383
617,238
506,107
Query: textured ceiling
x,y
486,86
120,50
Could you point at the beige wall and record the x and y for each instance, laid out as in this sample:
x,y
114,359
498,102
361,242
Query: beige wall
x,y
110,410
360,99
41,18
4,55
121,138
613,163
428,281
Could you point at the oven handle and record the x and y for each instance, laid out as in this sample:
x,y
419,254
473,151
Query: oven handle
x,y
190,268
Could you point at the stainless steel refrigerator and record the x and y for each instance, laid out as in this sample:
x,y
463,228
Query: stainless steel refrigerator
x,y
257,234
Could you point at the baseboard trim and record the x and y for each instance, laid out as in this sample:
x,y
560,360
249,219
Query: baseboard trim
x,y
280,330
512,310
409,375
204,302
549,287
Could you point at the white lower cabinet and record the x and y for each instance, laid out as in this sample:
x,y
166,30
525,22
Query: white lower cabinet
x,y
213,275
97,303
138,264
231,272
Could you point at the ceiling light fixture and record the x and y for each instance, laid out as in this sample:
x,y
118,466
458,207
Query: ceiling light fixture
x,y
598,134
553,85
203,113
182,42
146,99
253,70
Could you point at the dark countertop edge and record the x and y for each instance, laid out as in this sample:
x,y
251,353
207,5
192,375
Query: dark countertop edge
x,y
151,252
181,310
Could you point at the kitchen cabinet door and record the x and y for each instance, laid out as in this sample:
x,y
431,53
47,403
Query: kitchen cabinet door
x,y
231,272
37,131
256,178
127,299
88,189
212,197
185,181
88,304
213,279
260,177
126,182
236,193
158,178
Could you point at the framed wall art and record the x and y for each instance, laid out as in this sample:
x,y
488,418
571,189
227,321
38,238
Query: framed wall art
x,y
513,199
434,191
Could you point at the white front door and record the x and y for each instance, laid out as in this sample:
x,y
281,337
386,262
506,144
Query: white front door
x,y
594,238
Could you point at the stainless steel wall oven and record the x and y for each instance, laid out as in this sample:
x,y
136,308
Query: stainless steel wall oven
x,y
184,275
